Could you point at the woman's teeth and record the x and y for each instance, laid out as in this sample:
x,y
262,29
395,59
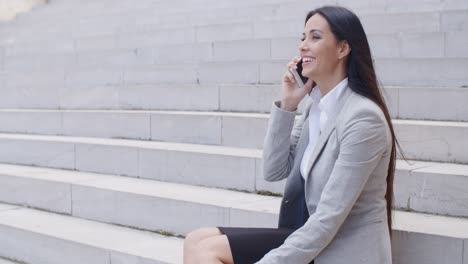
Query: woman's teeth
x,y
307,59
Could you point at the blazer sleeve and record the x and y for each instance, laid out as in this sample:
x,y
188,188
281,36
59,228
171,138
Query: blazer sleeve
x,y
280,142
363,140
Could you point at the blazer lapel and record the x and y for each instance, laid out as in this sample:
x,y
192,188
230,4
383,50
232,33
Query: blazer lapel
x,y
323,138
303,141
325,134
293,181
304,138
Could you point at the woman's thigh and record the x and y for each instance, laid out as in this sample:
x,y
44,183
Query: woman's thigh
x,y
204,244
202,233
217,247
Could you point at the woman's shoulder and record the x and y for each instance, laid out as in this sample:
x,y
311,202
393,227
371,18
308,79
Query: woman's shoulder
x,y
361,113
360,106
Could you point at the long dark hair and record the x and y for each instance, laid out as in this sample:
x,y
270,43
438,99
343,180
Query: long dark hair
x,y
345,25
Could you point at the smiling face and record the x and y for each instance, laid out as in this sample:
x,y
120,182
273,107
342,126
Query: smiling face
x,y
320,50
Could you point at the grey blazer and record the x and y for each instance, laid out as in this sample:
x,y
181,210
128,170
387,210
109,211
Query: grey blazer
x,y
345,187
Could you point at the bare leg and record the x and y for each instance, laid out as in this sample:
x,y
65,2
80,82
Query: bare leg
x,y
192,244
214,250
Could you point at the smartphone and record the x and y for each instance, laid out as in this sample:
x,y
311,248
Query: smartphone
x,y
300,80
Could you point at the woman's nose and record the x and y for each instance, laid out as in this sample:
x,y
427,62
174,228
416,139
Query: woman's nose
x,y
302,46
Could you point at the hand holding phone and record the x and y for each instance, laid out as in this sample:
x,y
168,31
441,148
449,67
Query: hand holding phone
x,y
300,79
291,96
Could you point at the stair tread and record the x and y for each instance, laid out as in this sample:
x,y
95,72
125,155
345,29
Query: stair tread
x,y
167,190
216,113
431,224
7,261
154,246
105,236
184,147
193,148
215,196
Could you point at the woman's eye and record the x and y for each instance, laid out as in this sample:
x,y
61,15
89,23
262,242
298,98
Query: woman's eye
x,y
313,37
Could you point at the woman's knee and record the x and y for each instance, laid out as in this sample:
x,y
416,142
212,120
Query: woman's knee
x,y
194,237
214,248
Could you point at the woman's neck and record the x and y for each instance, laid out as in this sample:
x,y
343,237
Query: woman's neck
x,y
327,83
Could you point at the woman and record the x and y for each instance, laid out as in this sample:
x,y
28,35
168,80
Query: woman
x,y
339,160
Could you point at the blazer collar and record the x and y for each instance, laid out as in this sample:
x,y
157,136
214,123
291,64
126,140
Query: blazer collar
x,y
328,129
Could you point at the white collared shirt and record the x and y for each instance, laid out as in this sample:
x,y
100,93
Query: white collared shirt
x,y
319,113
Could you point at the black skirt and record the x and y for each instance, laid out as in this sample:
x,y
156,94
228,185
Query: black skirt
x,y
249,245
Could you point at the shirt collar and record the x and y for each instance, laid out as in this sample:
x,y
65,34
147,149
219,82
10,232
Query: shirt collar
x,y
315,95
328,102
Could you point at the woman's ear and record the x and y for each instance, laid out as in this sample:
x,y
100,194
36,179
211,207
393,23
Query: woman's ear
x,y
343,49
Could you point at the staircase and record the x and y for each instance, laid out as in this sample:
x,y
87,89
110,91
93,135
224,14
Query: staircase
x,y
125,126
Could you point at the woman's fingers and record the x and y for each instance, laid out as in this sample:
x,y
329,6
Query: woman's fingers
x,y
290,77
292,64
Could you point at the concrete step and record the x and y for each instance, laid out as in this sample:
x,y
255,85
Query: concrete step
x,y
129,19
144,204
433,140
49,91
45,238
421,140
449,102
284,25
440,29
157,8
429,40
114,52
428,72
442,238
395,45
9,261
96,242
218,166
196,9
213,128
391,19
430,187
422,186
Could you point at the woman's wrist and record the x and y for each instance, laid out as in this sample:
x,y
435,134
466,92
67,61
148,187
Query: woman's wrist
x,y
288,106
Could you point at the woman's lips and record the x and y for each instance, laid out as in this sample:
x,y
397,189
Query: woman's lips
x,y
307,62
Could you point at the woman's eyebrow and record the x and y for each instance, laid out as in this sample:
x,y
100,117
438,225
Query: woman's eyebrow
x,y
312,31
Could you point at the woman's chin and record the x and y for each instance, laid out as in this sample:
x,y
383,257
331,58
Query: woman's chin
x,y
307,74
